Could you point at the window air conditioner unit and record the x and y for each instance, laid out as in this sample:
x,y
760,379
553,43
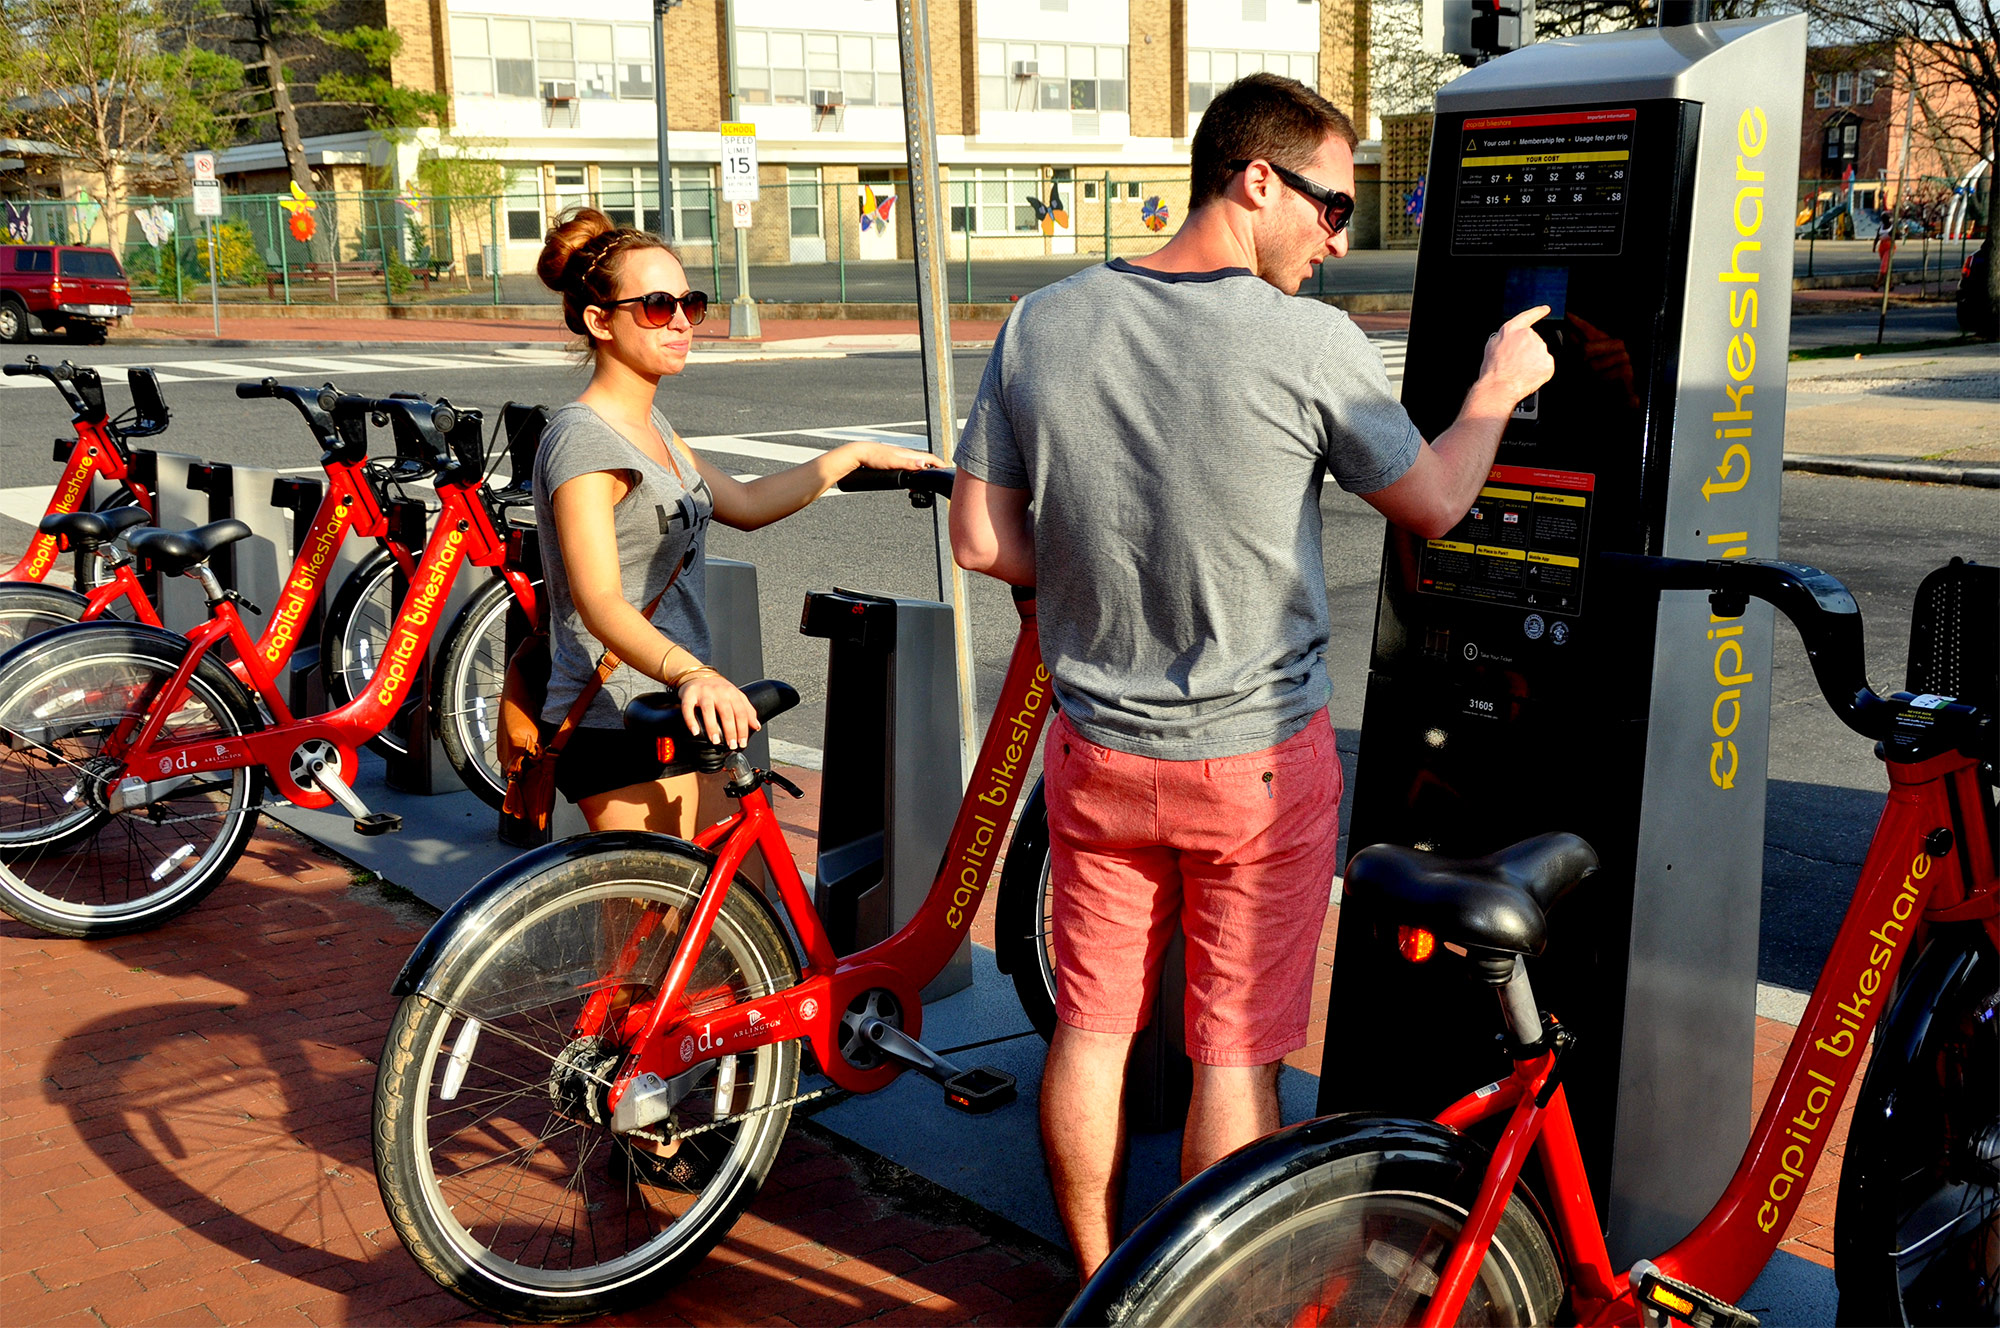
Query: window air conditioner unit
x,y
827,99
1027,68
558,89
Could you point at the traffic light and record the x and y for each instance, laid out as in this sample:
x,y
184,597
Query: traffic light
x,y
1478,30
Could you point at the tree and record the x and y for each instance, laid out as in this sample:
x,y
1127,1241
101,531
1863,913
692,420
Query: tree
x,y
1404,76
1946,55
349,69
458,170
105,84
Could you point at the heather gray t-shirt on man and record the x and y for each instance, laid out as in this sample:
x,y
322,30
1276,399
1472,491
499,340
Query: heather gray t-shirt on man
x,y
1174,430
658,522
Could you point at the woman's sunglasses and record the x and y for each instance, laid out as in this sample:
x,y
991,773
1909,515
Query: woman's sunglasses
x,y
656,308
1338,207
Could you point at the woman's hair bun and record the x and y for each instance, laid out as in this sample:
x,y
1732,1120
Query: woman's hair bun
x,y
573,230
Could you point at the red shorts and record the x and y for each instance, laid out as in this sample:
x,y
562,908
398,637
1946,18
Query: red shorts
x,y
1241,851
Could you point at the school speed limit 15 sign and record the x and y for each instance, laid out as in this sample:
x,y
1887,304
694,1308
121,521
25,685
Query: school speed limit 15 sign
x,y
739,162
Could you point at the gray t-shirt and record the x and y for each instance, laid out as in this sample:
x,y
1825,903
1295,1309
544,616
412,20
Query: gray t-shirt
x,y
657,524
1174,430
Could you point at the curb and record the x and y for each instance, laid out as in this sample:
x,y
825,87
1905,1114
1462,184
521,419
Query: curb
x,y
1979,475
246,343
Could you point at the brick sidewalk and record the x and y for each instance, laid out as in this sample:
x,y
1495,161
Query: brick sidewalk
x,y
184,1139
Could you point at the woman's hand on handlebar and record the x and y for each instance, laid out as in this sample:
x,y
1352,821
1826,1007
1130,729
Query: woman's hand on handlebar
x,y
882,456
716,708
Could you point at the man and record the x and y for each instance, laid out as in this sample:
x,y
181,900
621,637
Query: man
x,y
1170,420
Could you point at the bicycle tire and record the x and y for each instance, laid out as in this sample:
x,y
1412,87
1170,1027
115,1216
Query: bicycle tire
x,y
1917,1225
70,866
88,570
356,632
29,608
465,705
1339,1220
1021,915
517,975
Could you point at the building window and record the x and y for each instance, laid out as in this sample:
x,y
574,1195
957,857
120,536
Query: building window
x,y
1209,72
802,183
1843,88
1822,91
513,57
1864,88
994,200
524,203
634,53
1065,78
1253,11
1850,139
1056,6
783,68
630,196
1090,190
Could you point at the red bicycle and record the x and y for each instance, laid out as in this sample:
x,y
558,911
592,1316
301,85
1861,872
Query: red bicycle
x,y
1369,1219
598,1048
98,450
133,761
353,503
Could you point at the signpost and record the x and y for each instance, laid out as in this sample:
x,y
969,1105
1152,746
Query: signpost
x,y
208,206
739,190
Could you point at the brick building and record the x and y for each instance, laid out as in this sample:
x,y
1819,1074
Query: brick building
x,y
1884,113
1094,100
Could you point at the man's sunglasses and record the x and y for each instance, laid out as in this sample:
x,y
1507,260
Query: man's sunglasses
x,y
656,308
1338,207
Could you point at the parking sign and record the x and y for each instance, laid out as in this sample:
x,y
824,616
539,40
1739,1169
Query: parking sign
x,y
739,162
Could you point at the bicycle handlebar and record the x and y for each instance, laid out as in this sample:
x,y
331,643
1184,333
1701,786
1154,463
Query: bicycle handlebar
x,y
80,386
1818,605
922,485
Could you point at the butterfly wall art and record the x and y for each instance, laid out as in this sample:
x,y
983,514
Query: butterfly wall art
x,y
299,209
1154,214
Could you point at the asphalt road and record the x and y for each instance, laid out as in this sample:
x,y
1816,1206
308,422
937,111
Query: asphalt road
x,y
1879,537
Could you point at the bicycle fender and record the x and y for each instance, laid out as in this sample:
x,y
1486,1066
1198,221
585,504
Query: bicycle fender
x,y
1185,1217
465,925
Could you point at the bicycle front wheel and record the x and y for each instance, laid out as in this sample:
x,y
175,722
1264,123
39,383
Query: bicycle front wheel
x,y
356,634
491,1144
1286,1232
69,863
28,608
471,675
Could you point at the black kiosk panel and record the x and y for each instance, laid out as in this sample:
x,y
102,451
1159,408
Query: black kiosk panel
x,y
1514,686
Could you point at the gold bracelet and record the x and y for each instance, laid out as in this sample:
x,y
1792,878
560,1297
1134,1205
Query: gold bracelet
x,y
685,674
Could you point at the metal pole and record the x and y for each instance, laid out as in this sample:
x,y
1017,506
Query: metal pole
x,y
1889,265
493,229
934,327
214,294
660,8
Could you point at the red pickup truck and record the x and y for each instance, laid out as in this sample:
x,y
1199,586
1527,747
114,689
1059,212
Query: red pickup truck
x,y
59,286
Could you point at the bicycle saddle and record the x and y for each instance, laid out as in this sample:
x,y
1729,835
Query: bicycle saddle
x,y
1498,902
658,715
172,552
91,530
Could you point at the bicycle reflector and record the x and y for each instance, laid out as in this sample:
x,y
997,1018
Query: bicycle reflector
x,y
1415,944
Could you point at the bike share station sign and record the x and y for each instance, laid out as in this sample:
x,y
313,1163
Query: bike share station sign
x,y
1640,185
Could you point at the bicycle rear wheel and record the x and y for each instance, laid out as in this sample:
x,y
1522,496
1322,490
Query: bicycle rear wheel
x,y
495,1166
471,675
28,608
1022,914
1318,1224
68,863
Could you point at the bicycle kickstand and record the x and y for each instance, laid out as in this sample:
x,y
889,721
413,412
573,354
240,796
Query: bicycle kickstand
x,y
975,1091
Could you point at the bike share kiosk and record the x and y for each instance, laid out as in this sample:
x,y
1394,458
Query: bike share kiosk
x,y
892,763
1641,185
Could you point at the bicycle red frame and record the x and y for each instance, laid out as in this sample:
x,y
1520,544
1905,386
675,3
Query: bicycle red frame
x,y
95,452
671,1035
1903,889
463,532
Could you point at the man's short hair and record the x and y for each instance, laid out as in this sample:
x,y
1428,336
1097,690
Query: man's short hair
x,y
1264,117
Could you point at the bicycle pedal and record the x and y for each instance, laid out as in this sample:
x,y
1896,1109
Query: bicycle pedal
x,y
1665,1301
979,1090
378,823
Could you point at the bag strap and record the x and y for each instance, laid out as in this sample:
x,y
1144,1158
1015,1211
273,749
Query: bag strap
x,y
606,666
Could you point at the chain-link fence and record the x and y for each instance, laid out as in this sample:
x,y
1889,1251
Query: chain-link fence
x,y
1935,224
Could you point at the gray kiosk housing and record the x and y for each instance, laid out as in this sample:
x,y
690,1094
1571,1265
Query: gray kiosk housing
x,y
1640,183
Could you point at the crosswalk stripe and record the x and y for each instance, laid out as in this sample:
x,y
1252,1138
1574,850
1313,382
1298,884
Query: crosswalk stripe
x,y
325,363
735,445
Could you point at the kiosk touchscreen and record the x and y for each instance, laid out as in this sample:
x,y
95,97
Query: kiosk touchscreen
x,y
1640,186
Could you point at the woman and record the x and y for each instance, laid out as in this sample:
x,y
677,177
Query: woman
x,y
629,503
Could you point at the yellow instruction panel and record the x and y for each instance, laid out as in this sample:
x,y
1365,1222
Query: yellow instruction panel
x,y
1544,184
1522,544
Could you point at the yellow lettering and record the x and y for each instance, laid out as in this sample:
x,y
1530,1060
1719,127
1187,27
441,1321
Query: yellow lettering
x,y
1742,356
1736,274
1756,196
1752,129
1735,713
1742,305
1719,777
